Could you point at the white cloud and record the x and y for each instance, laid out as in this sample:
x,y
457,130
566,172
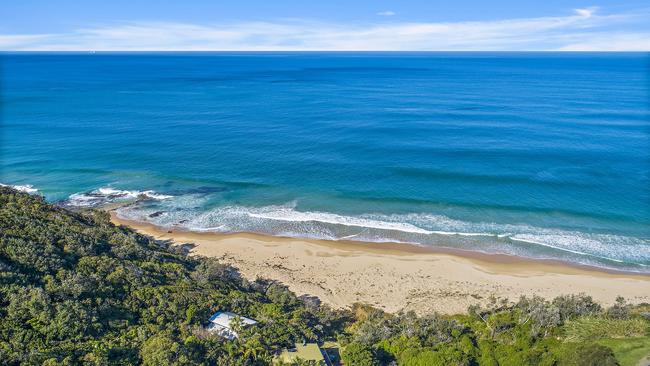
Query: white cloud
x,y
387,13
586,12
8,41
610,42
584,29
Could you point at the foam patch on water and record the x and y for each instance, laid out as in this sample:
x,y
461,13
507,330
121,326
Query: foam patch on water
x,y
558,241
27,188
190,212
106,195
291,215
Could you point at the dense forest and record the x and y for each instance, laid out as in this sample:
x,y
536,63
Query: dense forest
x,y
76,289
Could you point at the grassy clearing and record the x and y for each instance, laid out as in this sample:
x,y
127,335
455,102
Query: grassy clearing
x,y
592,328
628,351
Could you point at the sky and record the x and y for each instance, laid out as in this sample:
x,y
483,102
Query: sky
x,y
327,25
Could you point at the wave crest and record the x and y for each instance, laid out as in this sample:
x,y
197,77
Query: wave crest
x,y
27,188
106,195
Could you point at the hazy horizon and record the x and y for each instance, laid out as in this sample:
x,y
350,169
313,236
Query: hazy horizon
x,y
36,25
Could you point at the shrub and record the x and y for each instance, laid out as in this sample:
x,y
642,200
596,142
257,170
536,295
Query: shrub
x,y
572,306
595,355
358,354
620,310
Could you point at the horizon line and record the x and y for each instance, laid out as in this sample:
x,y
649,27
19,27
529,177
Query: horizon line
x,y
320,51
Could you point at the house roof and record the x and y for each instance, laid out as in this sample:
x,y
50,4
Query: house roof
x,y
224,318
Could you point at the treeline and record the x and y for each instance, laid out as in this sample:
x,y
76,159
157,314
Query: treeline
x,y
75,289
570,330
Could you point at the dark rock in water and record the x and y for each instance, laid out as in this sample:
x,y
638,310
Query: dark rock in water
x,y
157,213
183,221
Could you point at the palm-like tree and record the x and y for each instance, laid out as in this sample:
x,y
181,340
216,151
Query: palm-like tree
x,y
253,347
230,348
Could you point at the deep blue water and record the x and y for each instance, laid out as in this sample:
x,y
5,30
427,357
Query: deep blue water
x,y
536,154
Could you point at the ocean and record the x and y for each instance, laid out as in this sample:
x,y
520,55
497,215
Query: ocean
x,y
541,155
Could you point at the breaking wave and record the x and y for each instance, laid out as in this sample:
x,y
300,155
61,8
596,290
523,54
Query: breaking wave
x,y
194,213
106,195
27,188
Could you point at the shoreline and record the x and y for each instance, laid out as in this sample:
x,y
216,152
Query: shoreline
x,y
397,276
383,247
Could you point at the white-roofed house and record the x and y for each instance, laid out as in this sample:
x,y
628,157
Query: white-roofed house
x,y
221,323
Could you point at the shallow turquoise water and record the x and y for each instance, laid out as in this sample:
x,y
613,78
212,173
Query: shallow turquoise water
x,y
543,155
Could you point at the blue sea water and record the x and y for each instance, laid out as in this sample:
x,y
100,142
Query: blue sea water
x,y
544,155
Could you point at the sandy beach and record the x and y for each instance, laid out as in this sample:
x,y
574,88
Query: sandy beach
x,y
397,277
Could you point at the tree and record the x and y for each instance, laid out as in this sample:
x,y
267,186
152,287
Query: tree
x,y
358,354
159,350
253,347
210,270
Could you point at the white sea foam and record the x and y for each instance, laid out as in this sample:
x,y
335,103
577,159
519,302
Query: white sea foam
x,y
546,244
289,214
191,213
107,195
27,188
132,194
